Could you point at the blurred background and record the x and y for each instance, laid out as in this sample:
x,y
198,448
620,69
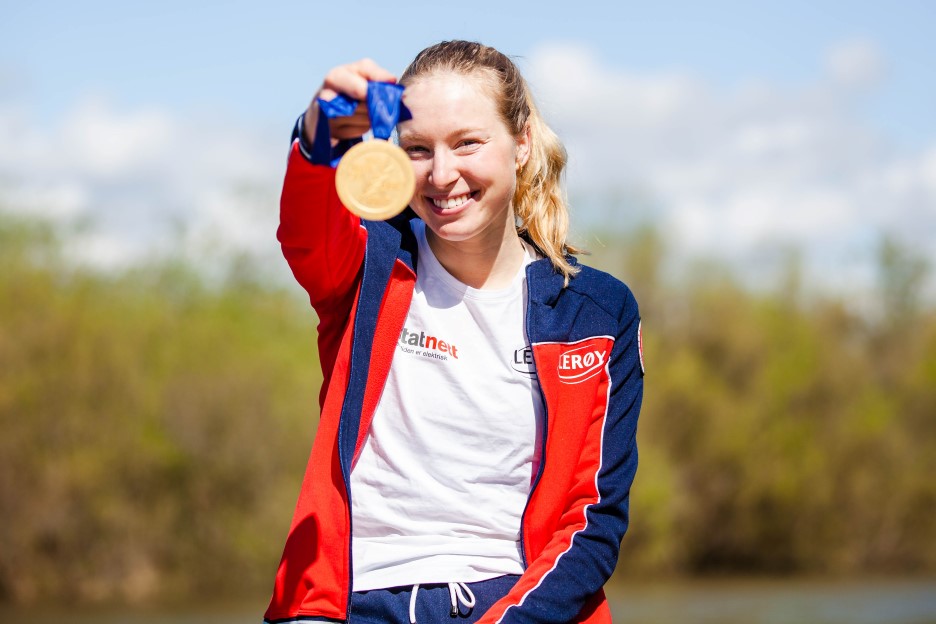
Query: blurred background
x,y
763,175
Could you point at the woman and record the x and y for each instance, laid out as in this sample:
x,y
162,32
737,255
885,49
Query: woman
x,y
476,445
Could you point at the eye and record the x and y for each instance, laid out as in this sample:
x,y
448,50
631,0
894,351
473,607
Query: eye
x,y
468,144
416,151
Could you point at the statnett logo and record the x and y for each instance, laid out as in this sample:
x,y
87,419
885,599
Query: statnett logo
x,y
420,343
581,363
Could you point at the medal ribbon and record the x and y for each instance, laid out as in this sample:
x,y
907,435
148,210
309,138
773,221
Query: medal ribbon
x,y
385,109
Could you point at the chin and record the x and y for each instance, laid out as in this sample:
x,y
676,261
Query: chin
x,y
452,232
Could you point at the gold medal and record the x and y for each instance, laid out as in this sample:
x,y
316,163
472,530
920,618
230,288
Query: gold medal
x,y
375,180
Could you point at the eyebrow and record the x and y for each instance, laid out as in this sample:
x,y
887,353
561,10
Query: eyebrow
x,y
415,136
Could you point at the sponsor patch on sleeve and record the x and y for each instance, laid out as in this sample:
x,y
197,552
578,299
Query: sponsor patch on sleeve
x,y
581,363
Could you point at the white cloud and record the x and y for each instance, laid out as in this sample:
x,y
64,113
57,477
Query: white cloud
x,y
97,141
725,171
857,63
730,171
141,182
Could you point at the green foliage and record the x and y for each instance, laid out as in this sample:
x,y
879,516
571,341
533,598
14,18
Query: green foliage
x,y
780,436
155,426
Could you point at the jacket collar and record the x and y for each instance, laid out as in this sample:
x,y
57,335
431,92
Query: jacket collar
x,y
544,282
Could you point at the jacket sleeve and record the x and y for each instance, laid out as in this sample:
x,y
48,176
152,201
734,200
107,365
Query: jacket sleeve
x,y
322,242
564,582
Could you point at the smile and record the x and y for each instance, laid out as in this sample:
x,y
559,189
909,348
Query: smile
x,y
451,202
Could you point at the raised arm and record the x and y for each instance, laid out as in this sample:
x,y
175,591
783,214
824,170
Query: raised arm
x,y
322,242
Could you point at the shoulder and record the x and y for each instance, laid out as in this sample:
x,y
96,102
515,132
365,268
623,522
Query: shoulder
x,y
614,298
593,303
607,291
604,291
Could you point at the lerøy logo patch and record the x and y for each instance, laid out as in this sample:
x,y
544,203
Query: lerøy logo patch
x,y
581,363
523,362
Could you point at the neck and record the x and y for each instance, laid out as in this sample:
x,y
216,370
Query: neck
x,y
491,263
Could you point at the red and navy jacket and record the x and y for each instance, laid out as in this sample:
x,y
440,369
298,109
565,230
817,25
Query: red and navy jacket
x,y
585,339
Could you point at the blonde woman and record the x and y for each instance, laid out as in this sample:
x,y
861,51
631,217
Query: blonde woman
x,y
476,446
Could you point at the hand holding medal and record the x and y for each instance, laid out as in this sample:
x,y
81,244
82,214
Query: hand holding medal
x,y
374,179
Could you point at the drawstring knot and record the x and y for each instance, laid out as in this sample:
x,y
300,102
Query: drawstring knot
x,y
458,592
457,589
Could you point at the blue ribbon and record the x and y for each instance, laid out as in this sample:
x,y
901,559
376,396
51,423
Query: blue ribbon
x,y
385,109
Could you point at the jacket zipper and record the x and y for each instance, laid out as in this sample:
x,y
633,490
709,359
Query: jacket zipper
x,y
543,435
536,480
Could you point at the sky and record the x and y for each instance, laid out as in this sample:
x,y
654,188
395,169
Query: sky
x,y
740,129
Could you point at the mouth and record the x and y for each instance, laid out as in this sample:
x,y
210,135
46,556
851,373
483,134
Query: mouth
x,y
451,203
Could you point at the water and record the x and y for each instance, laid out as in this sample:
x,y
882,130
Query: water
x,y
694,602
777,602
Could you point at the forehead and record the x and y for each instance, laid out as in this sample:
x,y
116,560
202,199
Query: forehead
x,y
449,99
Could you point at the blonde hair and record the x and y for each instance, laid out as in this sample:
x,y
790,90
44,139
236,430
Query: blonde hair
x,y
539,202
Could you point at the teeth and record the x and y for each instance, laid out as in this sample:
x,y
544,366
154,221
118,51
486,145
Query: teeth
x,y
451,202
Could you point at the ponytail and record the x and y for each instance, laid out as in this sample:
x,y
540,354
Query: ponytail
x,y
539,200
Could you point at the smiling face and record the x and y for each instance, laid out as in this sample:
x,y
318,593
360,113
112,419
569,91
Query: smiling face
x,y
464,157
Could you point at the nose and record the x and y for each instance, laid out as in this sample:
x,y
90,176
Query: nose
x,y
444,171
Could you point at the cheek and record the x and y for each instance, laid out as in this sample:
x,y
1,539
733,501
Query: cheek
x,y
502,176
501,169
421,172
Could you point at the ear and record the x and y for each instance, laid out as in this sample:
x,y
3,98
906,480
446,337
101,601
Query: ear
x,y
523,146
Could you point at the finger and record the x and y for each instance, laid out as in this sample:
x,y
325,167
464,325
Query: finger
x,y
359,117
372,71
345,130
326,94
344,80
351,79
348,80
351,122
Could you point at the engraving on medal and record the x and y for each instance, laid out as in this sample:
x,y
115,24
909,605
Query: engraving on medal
x,y
375,180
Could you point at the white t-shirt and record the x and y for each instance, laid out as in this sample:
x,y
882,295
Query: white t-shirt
x,y
445,472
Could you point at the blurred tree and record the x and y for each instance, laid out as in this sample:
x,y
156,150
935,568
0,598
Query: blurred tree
x,y
902,274
155,424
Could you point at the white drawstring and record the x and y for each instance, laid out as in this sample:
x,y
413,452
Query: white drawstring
x,y
412,604
458,592
456,588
